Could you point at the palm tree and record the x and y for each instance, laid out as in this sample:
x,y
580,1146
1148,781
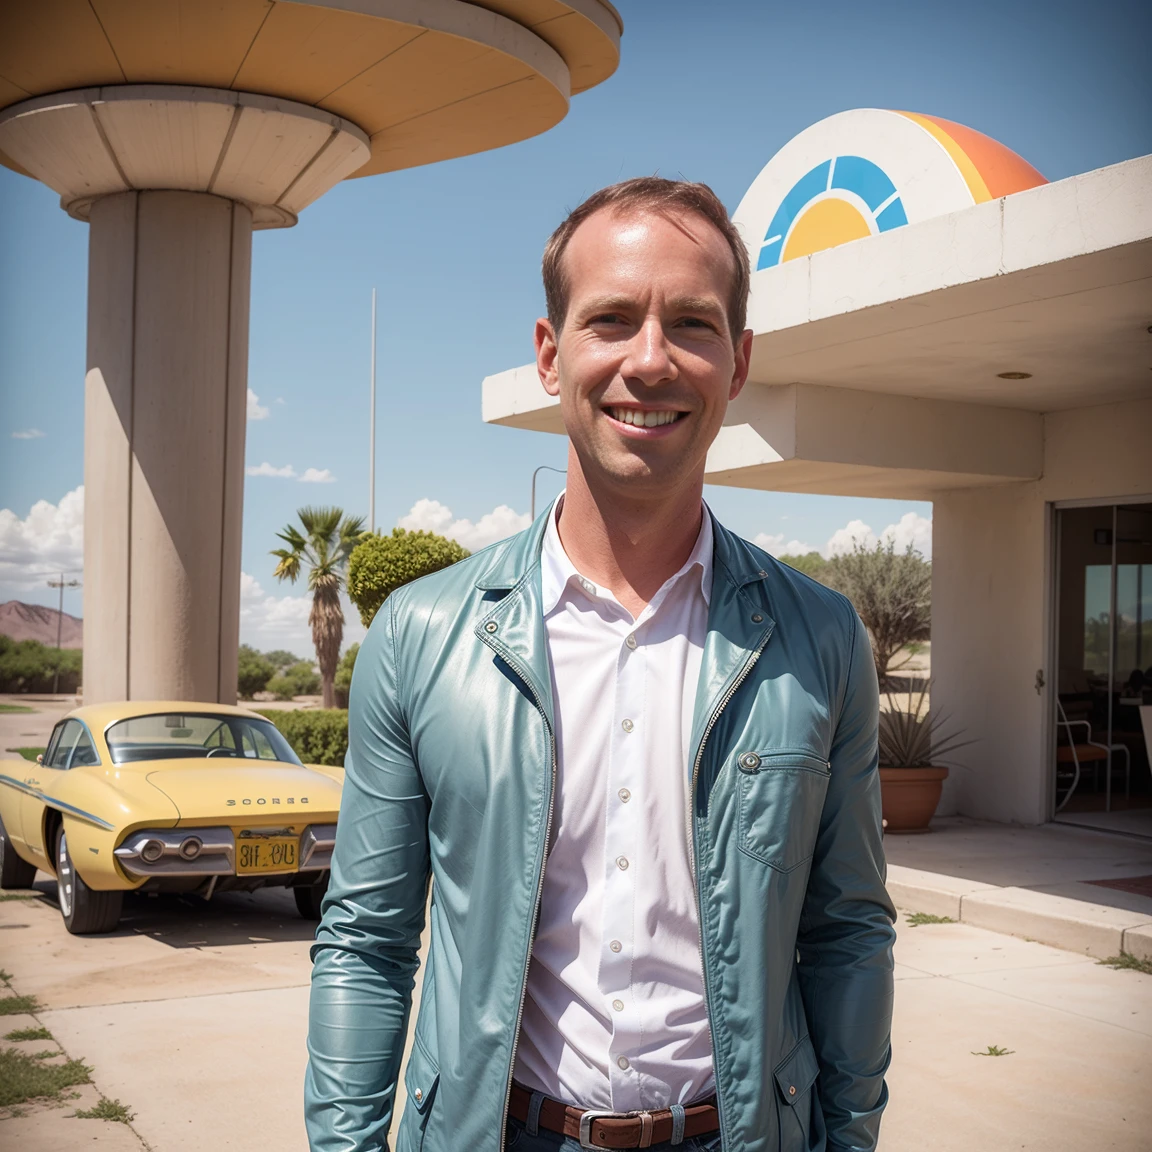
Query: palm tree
x,y
325,545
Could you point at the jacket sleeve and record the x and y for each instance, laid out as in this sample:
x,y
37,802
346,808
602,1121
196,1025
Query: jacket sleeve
x,y
846,934
364,959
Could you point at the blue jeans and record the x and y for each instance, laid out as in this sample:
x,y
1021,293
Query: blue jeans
x,y
519,1139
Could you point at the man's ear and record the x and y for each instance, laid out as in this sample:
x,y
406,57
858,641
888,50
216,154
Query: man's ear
x,y
743,361
547,357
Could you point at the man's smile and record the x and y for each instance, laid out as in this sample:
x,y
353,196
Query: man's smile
x,y
637,420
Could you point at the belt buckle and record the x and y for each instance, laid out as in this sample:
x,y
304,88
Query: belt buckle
x,y
586,1124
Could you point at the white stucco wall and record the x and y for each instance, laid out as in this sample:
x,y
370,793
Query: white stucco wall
x,y
991,611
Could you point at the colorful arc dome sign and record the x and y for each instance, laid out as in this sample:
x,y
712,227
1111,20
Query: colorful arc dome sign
x,y
860,173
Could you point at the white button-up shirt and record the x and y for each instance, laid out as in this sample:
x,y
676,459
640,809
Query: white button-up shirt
x,y
614,1016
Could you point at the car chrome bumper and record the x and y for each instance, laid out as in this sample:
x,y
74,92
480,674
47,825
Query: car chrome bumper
x,y
216,855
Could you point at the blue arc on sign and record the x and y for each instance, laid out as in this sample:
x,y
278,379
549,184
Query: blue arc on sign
x,y
849,173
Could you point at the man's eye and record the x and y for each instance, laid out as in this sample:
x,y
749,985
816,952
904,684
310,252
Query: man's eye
x,y
693,322
608,318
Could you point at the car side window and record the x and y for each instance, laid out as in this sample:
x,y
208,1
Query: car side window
x,y
84,753
63,743
50,751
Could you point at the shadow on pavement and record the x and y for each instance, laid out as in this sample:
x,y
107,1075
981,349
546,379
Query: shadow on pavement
x,y
263,917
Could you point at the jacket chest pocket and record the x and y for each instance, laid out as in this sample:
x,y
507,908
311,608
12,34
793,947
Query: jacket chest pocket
x,y
781,797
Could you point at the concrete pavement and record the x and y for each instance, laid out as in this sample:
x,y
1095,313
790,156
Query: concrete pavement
x,y
194,1016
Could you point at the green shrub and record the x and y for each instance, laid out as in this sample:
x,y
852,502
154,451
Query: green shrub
x,y
300,679
317,735
381,564
811,564
254,671
281,659
29,666
891,591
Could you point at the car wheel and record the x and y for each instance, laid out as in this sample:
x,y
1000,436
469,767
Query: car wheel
x,y
309,898
14,872
84,910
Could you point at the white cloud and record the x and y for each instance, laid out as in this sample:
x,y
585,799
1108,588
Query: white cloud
x,y
776,545
317,476
266,469
268,621
911,528
48,540
432,516
256,410
29,434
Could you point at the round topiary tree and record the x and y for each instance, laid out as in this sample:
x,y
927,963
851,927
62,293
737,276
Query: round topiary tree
x,y
381,564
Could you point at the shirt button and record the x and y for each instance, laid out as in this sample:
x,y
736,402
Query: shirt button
x,y
624,795
627,725
631,641
615,945
622,1061
588,587
622,863
618,1005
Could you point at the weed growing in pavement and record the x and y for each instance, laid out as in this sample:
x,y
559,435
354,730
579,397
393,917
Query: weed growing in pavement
x,y
5,896
24,1077
915,919
10,708
18,1005
107,1110
996,1050
29,1034
1127,960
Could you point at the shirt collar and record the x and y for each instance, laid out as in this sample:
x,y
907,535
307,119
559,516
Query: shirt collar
x,y
557,572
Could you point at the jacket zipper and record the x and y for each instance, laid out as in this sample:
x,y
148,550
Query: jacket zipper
x,y
536,906
748,666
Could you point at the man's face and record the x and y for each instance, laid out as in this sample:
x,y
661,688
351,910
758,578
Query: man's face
x,y
645,363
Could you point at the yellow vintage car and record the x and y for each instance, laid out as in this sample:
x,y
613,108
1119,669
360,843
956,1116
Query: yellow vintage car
x,y
166,797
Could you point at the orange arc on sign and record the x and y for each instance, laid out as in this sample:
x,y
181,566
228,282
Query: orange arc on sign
x,y
989,169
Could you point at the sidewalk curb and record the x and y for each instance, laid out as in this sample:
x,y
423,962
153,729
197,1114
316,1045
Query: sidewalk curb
x,y
1076,925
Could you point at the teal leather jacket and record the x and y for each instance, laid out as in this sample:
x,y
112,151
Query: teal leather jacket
x,y
450,773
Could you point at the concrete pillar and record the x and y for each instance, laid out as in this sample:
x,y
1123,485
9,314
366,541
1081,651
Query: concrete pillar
x,y
165,398
172,180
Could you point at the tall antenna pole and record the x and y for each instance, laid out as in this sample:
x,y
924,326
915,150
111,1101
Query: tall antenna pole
x,y
372,430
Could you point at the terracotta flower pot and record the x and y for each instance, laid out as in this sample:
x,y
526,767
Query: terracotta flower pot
x,y
909,797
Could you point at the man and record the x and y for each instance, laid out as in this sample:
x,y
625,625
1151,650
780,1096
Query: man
x,y
637,756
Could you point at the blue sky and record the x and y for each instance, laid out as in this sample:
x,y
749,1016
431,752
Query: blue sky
x,y
705,91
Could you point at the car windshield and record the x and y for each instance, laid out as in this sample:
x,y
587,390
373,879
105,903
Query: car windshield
x,y
193,735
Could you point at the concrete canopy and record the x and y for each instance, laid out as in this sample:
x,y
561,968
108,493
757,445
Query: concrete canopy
x,y
424,79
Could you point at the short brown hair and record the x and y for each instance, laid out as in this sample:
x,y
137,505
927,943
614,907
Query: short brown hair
x,y
648,194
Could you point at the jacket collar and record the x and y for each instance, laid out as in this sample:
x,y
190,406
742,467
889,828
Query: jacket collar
x,y
739,624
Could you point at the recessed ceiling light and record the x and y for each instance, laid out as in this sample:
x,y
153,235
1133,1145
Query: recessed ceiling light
x,y
1014,375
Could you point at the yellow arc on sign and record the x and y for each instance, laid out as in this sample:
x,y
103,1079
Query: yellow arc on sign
x,y
824,225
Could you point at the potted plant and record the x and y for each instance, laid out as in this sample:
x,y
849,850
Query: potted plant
x,y
913,745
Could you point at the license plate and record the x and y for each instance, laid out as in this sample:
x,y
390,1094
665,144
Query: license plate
x,y
268,854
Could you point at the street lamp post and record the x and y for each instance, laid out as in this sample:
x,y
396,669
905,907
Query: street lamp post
x,y
372,429
543,468
61,584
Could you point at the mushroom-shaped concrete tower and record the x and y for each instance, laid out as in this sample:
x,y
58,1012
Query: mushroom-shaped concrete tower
x,y
175,127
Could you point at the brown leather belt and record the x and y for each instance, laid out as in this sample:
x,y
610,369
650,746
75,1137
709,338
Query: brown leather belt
x,y
614,1129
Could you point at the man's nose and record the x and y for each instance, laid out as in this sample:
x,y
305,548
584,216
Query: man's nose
x,y
649,358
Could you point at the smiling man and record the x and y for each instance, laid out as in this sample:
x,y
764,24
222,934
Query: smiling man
x,y
637,757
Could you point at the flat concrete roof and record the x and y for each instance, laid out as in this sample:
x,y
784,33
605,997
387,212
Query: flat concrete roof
x,y
1055,281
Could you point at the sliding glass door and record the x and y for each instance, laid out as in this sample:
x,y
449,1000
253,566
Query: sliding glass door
x,y
1104,666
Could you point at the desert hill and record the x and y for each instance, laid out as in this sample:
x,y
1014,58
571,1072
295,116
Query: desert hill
x,y
35,622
